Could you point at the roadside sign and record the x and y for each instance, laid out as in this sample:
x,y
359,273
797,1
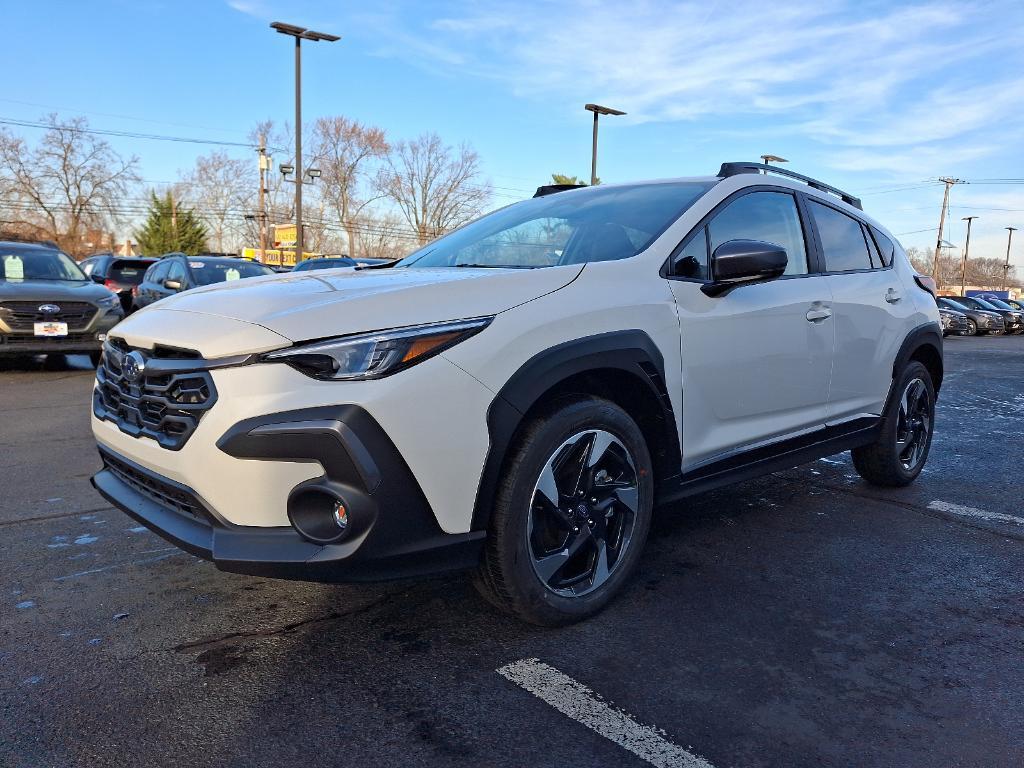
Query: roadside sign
x,y
285,234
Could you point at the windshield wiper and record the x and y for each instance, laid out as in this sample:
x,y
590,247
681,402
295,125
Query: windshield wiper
x,y
496,266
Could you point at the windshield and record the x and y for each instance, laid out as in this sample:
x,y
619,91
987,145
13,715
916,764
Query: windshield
x,y
950,304
37,264
308,264
998,303
575,227
209,272
982,303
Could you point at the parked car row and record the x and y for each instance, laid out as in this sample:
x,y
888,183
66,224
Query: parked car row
x,y
980,315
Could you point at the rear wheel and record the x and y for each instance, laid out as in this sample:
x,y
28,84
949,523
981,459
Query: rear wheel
x,y
899,454
571,516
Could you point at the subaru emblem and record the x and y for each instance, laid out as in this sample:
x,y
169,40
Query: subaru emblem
x,y
49,309
133,365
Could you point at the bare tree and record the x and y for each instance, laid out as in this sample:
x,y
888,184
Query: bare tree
x,y
385,237
222,189
70,181
435,187
345,151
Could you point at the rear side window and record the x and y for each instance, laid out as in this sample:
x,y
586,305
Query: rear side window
x,y
885,247
842,239
130,272
771,217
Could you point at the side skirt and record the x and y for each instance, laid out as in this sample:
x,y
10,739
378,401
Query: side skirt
x,y
770,458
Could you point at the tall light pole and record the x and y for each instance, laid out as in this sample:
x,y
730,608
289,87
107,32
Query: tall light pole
x,y
598,110
1006,266
967,249
942,224
300,34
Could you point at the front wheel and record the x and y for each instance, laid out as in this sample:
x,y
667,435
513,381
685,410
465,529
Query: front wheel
x,y
571,516
972,328
899,454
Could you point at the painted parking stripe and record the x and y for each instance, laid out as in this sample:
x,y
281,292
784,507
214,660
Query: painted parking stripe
x,y
981,514
584,706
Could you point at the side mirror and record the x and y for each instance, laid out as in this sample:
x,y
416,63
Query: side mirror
x,y
172,285
744,262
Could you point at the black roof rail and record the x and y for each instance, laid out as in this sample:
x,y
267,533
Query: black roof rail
x,y
550,189
734,169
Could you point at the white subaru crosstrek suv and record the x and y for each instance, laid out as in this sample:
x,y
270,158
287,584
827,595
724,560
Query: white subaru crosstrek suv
x,y
517,396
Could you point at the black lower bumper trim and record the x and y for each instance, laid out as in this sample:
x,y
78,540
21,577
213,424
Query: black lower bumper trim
x,y
281,553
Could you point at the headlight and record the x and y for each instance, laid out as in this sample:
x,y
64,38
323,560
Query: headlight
x,y
108,302
377,354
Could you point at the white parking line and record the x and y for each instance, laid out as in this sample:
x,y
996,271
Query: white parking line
x,y
981,514
583,705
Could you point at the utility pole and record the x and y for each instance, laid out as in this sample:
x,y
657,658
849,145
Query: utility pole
x,y
264,167
174,214
1006,266
967,249
942,225
300,34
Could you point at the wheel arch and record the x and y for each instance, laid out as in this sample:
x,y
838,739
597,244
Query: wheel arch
x,y
625,367
923,344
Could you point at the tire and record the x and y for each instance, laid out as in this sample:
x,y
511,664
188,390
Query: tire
x,y
543,561
899,454
972,328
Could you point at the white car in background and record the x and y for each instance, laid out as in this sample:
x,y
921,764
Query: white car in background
x,y
517,396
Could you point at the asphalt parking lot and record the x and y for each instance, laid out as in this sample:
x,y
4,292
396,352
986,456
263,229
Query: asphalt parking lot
x,y
804,619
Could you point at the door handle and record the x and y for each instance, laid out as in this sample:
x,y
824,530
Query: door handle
x,y
892,296
817,314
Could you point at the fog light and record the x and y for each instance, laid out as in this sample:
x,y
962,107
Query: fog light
x,y
340,515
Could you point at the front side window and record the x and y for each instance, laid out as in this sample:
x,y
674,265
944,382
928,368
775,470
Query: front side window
x,y
842,239
158,273
176,272
771,217
691,260
575,227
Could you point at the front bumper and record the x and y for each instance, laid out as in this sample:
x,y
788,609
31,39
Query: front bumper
x,y
79,340
393,531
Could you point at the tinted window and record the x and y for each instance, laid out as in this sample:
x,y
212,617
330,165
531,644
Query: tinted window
x,y
574,227
158,273
309,264
771,217
842,239
950,304
691,260
130,272
885,246
208,271
87,266
998,303
176,271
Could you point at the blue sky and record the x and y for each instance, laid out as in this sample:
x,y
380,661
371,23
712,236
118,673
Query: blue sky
x,y
875,97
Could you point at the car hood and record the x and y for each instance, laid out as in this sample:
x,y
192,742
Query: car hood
x,y
333,302
51,291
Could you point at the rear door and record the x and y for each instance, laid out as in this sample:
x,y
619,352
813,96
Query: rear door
x,y
756,361
870,311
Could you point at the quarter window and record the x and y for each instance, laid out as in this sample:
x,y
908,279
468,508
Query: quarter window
x,y
842,239
691,260
768,216
885,247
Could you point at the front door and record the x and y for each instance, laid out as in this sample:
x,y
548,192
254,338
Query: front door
x,y
756,361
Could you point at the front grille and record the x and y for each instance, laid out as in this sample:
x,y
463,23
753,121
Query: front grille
x,y
23,315
155,488
15,339
165,403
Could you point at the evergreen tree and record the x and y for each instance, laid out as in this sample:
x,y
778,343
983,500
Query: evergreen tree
x,y
167,230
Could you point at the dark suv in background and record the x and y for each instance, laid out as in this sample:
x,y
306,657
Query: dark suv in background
x,y
1013,321
120,274
979,321
177,272
49,306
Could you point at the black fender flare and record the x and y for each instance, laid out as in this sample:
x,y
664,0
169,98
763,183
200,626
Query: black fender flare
x,y
632,351
928,334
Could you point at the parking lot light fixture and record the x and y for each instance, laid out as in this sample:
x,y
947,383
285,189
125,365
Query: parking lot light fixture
x,y
598,110
300,34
